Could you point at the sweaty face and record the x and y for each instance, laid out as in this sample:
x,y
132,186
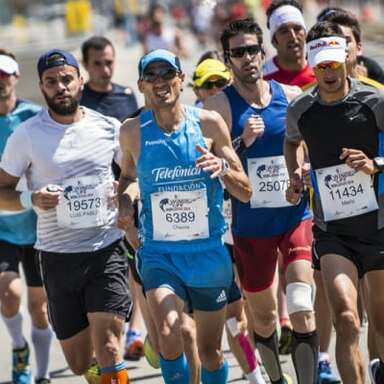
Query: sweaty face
x,y
7,85
161,84
61,87
100,66
289,41
331,81
248,67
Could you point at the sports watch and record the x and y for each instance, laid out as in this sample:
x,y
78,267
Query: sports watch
x,y
379,163
226,168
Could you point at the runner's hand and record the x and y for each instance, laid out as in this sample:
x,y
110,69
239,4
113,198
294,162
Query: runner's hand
x,y
358,160
208,162
126,215
294,192
45,198
254,128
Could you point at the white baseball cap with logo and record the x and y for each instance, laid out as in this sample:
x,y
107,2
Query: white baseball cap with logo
x,y
333,48
8,65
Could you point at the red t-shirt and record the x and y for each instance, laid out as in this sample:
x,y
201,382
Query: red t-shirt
x,y
300,78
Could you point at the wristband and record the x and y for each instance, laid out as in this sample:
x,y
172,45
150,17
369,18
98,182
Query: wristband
x,y
239,145
26,199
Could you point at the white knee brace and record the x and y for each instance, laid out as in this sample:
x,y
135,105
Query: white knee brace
x,y
299,297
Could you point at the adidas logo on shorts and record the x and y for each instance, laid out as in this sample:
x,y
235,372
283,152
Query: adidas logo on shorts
x,y
222,297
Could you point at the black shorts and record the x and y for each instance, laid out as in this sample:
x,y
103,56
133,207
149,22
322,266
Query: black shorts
x,y
11,255
365,252
131,255
81,283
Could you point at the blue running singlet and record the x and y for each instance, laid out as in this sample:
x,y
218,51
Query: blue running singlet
x,y
181,205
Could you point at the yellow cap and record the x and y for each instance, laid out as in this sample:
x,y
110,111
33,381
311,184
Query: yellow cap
x,y
207,69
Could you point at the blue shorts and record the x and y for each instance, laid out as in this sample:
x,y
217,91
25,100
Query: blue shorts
x,y
201,279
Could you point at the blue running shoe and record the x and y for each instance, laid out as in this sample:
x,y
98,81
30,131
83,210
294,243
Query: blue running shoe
x,y
325,374
21,371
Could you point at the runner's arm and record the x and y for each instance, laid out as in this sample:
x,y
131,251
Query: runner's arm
x,y
127,191
9,197
235,179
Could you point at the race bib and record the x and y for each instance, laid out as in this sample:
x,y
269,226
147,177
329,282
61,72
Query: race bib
x,y
180,215
84,203
345,192
269,179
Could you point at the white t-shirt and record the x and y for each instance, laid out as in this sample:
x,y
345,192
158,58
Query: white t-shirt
x,y
50,153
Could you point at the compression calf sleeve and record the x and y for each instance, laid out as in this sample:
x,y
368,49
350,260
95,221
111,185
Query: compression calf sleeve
x,y
42,340
305,356
175,371
269,351
220,376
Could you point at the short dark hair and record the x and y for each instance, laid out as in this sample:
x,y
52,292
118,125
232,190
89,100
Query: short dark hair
x,y
344,18
279,3
96,42
5,52
236,27
324,29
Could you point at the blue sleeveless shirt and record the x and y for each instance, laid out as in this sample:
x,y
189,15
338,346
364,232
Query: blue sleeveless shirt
x,y
263,222
17,227
181,206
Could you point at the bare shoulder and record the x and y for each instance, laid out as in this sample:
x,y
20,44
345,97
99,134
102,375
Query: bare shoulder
x,y
291,91
220,104
130,129
216,102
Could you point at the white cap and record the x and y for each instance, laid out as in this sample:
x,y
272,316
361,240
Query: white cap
x,y
8,65
332,48
284,15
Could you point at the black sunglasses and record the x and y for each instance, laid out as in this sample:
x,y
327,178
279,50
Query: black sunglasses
x,y
166,73
221,83
240,51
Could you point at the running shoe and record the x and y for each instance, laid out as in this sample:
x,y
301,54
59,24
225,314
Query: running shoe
x,y
373,370
43,380
325,374
134,346
21,370
287,379
150,354
93,374
285,342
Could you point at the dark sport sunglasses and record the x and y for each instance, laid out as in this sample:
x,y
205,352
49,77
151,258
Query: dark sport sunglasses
x,y
221,83
240,51
167,73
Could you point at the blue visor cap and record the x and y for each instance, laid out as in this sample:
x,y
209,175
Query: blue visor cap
x,y
54,58
159,55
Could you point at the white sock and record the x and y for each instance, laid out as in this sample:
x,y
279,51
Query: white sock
x,y
15,328
42,340
323,356
255,377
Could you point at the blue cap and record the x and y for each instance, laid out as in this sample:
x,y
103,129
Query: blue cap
x,y
54,58
159,55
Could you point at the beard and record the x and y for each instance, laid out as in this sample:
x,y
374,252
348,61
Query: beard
x,y
69,108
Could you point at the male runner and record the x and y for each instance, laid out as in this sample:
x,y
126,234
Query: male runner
x,y
286,23
100,92
17,236
182,257
70,183
341,123
255,110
